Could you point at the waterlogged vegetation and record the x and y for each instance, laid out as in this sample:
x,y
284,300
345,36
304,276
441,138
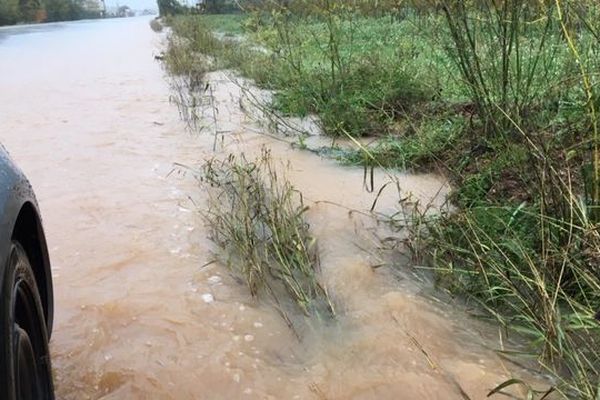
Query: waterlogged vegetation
x,y
502,96
257,220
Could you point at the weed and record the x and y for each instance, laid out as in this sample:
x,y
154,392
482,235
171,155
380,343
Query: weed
x,y
419,146
257,220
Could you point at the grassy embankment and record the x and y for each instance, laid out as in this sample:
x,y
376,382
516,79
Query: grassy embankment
x,y
504,98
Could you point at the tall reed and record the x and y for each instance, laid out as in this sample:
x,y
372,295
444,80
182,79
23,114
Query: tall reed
x,y
532,265
257,220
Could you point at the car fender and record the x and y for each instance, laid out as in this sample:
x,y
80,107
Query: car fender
x,y
16,195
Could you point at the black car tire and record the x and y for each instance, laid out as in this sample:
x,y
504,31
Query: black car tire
x,y
25,371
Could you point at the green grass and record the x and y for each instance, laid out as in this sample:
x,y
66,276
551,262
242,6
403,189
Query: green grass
x,y
353,74
229,24
534,274
418,148
503,97
356,87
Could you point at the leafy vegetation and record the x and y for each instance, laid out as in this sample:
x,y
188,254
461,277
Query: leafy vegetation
x,y
171,7
15,11
503,96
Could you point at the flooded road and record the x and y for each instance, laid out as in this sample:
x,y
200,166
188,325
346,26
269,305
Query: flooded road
x,y
141,312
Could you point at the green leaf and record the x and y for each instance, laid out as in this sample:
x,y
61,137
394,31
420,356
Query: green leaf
x,y
508,383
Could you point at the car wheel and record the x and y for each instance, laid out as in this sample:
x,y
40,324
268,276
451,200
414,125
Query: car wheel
x,y
25,371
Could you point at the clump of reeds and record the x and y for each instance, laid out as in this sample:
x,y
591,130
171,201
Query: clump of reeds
x,y
507,53
188,59
532,264
535,274
257,221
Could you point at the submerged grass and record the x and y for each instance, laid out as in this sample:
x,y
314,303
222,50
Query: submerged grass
x,y
257,220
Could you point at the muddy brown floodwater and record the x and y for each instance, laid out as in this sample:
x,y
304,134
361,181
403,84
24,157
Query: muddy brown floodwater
x,y
84,110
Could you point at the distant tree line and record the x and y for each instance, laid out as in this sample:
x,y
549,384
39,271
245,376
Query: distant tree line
x,y
23,11
174,7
